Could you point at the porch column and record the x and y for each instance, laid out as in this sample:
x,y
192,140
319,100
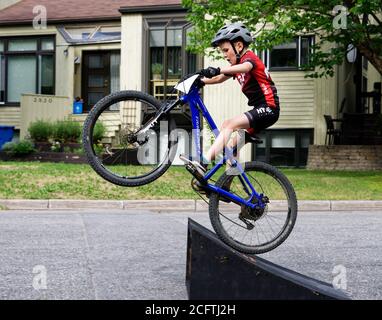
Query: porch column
x,y
131,62
325,101
132,52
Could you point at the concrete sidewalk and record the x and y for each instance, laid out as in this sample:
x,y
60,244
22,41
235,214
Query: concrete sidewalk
x,y
174,205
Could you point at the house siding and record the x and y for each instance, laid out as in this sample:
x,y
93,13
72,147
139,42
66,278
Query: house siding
x,y
26,31
10,116
110,120
297,98
325,102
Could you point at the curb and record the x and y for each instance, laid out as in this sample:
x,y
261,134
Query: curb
x,y
176,205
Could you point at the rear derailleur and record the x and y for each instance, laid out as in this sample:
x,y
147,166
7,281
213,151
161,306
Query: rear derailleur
x,y
247,213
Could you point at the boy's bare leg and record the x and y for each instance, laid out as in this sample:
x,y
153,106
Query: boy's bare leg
x,y
237,141
239,122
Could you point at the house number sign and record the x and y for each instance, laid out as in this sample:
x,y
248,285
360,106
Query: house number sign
x,y
43,100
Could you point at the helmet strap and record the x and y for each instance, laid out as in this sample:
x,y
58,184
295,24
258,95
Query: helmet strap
x,y
238,55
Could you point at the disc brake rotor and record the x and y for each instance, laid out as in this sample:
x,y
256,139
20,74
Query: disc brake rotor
x,y
256,213
128,138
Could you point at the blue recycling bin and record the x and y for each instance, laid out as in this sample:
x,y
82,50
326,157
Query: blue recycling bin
x,y
77,107
6,134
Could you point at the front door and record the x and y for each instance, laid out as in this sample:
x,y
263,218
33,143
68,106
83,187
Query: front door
x,y
100,76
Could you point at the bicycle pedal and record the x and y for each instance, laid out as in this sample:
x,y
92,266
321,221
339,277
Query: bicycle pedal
x,y
190,168
224,199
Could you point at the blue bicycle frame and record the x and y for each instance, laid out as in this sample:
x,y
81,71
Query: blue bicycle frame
x,y
196,104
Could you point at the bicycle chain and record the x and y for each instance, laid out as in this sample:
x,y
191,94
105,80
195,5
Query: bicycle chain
x,y
204,199
197,192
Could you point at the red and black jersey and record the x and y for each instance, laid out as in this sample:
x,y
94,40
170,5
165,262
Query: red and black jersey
x,y
257,84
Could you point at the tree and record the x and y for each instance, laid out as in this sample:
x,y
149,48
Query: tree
x,y
272,22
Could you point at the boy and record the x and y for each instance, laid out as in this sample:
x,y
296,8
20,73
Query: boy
x,y
256,83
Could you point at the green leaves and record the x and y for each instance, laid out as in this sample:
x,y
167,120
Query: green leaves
x,y
274,22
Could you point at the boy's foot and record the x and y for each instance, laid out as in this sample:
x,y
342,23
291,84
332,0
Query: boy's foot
x,y
200,168
199,187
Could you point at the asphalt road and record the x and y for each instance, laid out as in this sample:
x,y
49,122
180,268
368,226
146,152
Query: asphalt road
x,y
142,255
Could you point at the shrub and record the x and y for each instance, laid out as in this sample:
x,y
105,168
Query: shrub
x,y
98,132
40,131
8,147
56,146
19,149
79,151
66,131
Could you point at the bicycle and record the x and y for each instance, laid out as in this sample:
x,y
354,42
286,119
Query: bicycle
x,y
252,207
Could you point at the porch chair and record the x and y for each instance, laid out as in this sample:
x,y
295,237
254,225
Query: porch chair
x,y
332,134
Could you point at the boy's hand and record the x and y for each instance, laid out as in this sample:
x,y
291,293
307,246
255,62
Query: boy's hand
x,y
210,72
199,83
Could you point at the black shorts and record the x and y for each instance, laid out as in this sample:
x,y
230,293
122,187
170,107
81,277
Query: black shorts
x,y
262,117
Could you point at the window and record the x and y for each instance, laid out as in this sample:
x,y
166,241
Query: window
x,y
22,45
284,147
91,34
26,66
168,61
168,58
284,56
365,63
21,76
289,56
46,74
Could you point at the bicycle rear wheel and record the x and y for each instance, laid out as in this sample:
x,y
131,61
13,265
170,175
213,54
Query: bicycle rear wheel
x,y
126,142
254,231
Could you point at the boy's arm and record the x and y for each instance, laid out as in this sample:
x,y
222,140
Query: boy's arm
x,y
239,68
218,79
224,73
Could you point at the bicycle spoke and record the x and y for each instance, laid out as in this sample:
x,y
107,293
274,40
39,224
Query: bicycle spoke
x,y
232,221
262,227
272,218
116,144
270,226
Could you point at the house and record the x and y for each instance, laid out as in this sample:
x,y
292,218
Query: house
x,y
91,48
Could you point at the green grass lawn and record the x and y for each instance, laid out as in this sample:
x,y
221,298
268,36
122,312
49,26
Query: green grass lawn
x,y
34,180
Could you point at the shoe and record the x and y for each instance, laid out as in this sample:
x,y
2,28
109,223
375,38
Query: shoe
x,y
199,169
198,186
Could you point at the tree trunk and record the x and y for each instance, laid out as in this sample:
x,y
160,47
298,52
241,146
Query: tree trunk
x,y
373,58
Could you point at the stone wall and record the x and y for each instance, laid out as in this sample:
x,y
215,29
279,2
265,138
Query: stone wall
x,y
345,157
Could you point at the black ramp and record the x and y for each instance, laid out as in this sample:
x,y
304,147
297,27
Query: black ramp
x,y
216,271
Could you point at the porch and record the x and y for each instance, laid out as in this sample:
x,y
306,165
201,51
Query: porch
x,y
362,127
354,129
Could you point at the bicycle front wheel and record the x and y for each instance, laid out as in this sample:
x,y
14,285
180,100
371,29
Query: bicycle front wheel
x,y
126,140
248,230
